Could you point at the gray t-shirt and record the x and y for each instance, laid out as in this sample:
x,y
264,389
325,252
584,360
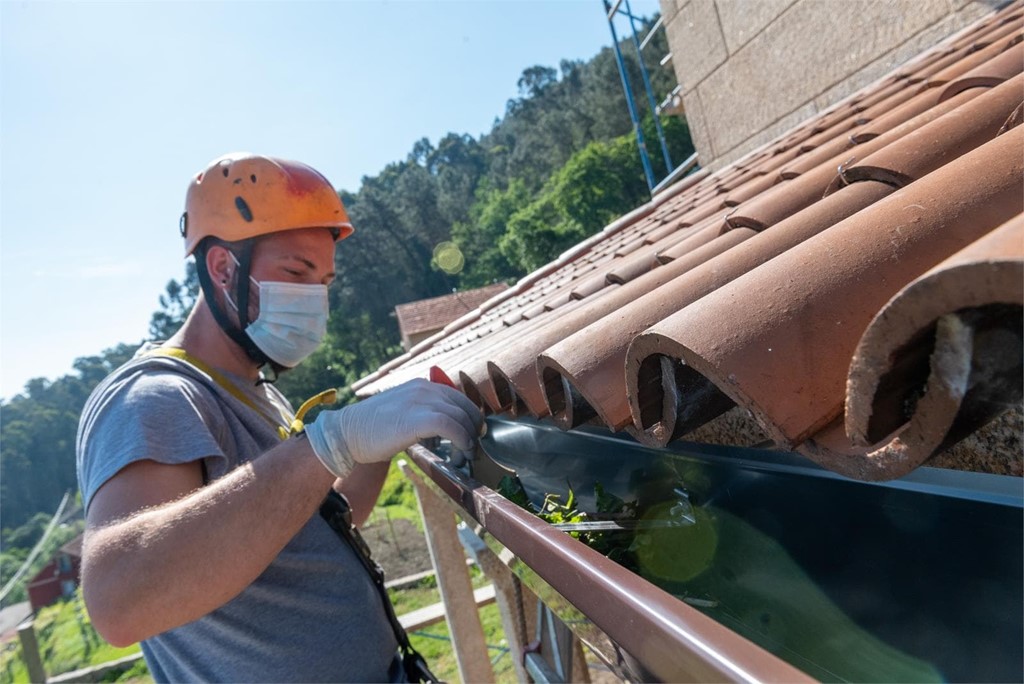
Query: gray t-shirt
x,y
314,615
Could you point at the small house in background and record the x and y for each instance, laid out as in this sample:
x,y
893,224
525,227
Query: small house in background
x,y
420,319
59,578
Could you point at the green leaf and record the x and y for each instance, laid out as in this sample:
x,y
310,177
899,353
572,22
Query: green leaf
x,y
606,501
511,488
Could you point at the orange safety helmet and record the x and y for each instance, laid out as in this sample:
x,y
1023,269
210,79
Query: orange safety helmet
x,y
243,195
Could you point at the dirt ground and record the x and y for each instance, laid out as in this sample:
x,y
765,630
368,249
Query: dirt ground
x,y
399,547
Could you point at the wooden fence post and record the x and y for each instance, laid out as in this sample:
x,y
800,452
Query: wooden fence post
x,y
508,594
454,583
30,651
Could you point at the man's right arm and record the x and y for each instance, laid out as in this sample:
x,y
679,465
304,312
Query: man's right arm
x,y
162,550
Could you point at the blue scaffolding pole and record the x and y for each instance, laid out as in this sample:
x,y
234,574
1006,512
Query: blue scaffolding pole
x,y
622,7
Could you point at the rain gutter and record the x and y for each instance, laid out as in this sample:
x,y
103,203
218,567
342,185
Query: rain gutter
x,y
667,639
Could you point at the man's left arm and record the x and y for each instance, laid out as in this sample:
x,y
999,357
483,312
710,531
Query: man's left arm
x,y
362,488
353,442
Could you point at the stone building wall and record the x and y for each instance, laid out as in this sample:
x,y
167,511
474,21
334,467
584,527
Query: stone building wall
x,y
752,69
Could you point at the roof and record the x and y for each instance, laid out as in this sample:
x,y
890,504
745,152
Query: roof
x,y
851,290
74,547
437,312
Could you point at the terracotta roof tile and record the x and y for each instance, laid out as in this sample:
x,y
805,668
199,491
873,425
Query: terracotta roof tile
x,y
751,188
941,141
973,60
704,233
976,34
430,314
579,385
815,300
1005,64
911,373
916,106
885,232
708,269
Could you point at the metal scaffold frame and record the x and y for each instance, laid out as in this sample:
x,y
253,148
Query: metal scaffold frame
x,y
622,7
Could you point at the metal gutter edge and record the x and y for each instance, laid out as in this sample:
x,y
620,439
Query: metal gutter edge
x,y
674,641
676,174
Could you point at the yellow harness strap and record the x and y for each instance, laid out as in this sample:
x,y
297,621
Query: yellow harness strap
x,y
293,425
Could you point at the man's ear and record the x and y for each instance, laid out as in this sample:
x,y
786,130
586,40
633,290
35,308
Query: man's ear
x,y
220,265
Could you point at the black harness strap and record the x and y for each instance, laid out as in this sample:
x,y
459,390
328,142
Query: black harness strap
x,y
338,514
237,334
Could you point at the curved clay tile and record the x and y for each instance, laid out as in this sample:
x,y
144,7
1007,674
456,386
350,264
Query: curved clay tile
x,y
980,33
781,159
673,209
915,106
645,250
512,368
787,198
782,200
971,375
512,317
816,157
589,286
1015,119
665,230
753,188
998,30
473,375
846,126
925,74
583,374
937,143
907,72
778,340
843,115
534,311
812,160
713,228
976,63
1004,65
639,263
732,177
709,207
923,339
897,99
481,394
468,359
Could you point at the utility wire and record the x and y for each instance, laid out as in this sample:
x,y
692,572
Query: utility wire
x,y
37,548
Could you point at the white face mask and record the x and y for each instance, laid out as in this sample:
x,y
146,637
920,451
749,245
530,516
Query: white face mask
x,y
292,320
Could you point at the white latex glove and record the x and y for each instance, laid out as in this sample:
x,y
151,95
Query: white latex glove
x,y
379,427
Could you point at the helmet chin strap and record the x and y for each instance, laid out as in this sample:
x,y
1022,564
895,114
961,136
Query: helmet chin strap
x,y
236,333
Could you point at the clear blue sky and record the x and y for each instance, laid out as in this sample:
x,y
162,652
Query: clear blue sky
x,y
107,109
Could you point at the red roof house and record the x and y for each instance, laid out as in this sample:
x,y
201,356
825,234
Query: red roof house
x,y
59,578
423,318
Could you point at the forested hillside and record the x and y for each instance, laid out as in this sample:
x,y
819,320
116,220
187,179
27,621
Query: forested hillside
x,y
559,165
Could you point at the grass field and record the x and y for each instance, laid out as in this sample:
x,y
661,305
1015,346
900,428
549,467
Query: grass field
x,y
434,642
67,641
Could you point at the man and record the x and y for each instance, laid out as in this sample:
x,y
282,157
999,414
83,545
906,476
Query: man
x,y
203,538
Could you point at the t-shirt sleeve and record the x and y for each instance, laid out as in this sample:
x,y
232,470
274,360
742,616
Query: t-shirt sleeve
x,y
158,416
